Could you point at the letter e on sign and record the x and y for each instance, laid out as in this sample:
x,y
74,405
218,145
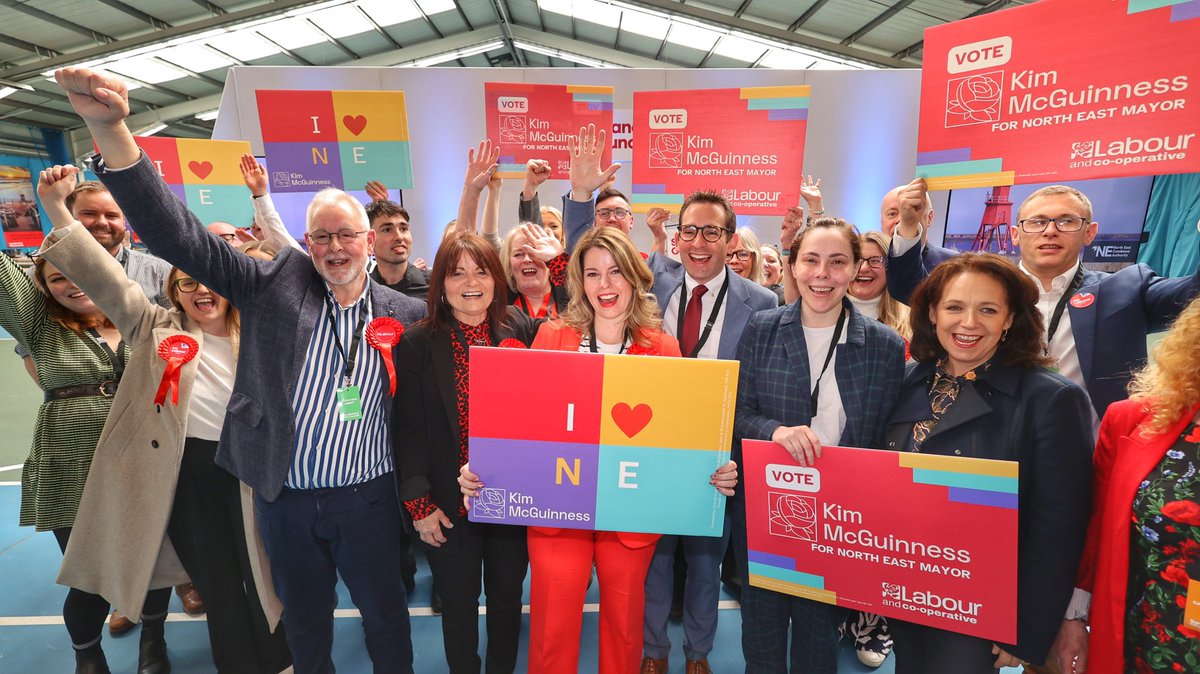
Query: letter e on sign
x,y
517,104
793,478
983,54
675,118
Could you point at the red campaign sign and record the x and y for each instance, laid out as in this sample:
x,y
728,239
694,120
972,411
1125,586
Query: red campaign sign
x,y
933,540
1013,98
20,220
747,144
533,121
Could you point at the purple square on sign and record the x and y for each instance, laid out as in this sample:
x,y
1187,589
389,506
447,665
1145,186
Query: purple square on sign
x,y
303,167
535,483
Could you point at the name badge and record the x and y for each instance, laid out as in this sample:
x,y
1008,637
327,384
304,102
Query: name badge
x,y
1191,609
349,403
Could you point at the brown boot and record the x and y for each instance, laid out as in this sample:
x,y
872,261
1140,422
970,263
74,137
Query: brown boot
x,y
118,624
193,605
654,665
698,666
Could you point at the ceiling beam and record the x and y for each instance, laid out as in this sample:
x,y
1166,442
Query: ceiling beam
x,y
24,8
153,21
28,46
808,14
589,50
876,22
917,46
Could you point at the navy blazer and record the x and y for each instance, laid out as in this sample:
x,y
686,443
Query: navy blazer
x,y
743,300
280,303
774,381
1039,419
1110,333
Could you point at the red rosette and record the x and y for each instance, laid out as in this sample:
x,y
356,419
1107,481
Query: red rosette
x,y
636,349
511,343
177,350
383,334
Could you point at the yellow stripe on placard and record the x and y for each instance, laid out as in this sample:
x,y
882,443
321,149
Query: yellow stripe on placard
x,y
796,91
505,175
956,464
645,208
971,180
588,89
794,589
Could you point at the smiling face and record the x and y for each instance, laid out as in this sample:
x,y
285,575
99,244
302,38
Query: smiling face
x,y
469,290
337,262
703,259
1050,252
823,267
531,274
740,267
393,238
202,305
869,282
970,320
100,215
610,219
607,289
67,293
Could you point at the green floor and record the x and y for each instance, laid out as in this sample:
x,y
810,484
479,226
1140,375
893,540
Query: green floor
x,y
19,400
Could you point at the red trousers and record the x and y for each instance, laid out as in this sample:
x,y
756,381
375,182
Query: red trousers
x,y
561,563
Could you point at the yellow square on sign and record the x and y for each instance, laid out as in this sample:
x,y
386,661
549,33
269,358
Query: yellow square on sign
x,y
211,162
682,403
370,116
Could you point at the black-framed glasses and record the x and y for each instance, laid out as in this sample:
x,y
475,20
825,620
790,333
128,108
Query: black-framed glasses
x,y
1067,223
876,261
186,285
346,236
711,233
606,213
743,255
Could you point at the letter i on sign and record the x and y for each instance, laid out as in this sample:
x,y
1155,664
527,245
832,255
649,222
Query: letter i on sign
x,y
570,417
316,130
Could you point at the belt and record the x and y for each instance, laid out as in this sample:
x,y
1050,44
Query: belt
x,y
106,389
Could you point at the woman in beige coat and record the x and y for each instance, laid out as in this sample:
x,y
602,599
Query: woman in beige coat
x,y
154,497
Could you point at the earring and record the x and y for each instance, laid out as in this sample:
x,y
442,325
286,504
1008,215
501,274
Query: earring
x,y
1004,335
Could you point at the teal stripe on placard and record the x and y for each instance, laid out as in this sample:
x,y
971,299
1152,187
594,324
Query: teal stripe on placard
x,y
777,103
509,168
797,577
1136,6
592,98
1006,485
657,198
961,168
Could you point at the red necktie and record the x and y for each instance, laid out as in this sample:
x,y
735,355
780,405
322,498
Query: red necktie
x,y
691,322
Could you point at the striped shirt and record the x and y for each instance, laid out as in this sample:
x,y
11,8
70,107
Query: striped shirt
x,y
330,452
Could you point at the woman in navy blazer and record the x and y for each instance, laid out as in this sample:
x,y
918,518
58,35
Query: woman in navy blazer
x,y
858,364
979,388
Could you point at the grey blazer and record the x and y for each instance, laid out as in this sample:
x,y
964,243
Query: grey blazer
x,y
280,303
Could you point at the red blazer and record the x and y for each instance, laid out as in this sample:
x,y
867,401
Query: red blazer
x,y
1124,456
557,336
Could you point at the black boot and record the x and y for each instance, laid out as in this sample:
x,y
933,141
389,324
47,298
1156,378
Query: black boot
x,y
90,660
152,651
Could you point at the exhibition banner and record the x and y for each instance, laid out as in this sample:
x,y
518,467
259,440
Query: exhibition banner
x,y
533,121
343,139
597,441
20,219
204,174
747,144
919,537
1061,90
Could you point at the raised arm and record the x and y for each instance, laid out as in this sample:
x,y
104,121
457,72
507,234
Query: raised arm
x,y
788,230
530,207
656,221
489,228
268,218
586,150
481,165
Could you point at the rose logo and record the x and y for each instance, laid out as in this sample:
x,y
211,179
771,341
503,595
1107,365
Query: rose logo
x,y
1083,150
974,99
489,504
666,150
891,591
793,516
512,129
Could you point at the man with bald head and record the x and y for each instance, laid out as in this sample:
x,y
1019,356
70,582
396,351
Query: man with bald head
x,y
891,212
308,424
230,234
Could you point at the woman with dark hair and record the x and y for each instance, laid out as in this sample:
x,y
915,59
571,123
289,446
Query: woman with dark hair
x,y
800,364
980,388
467,307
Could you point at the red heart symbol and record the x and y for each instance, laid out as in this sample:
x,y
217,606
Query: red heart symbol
x,y
631,421
356,124
201,168
1194,436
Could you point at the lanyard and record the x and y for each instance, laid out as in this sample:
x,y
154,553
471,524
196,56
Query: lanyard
x,y
837,334
348,370
117,358
548,309
592,341
712,316
1062,305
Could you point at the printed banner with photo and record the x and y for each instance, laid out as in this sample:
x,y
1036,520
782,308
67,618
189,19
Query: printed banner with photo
x,y
602,444
204,174
19,216
950,560
747,144
1061,90
343,139
533,121
984,219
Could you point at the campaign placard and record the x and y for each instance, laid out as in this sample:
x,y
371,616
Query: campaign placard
x,y
20,219
919,537
204,174
534,121
343,139
1001,106
598,441
747,144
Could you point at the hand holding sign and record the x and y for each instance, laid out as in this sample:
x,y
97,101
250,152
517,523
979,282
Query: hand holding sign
x,y
376,190
799,441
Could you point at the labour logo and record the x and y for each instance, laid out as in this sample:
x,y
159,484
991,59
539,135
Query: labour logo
x,y
512,129
792,516
489,504
892,591
666,150
974,99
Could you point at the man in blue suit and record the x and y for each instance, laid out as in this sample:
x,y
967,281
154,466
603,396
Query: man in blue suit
x,y
308,423
930,255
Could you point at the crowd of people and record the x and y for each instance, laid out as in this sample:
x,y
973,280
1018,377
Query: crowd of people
x,y
259,418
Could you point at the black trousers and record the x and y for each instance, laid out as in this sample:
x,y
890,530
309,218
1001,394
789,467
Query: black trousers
x,y
928,650
207,532
503,554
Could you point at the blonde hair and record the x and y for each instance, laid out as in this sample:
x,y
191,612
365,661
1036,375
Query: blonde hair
x,y
749,240
892,312
1169,384
557,215
643,310
506,253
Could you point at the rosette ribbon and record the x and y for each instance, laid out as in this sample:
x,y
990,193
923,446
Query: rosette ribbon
x,y
177,350
383,334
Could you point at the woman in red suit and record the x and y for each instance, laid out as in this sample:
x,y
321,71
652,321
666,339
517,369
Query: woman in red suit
x,y
610,310
1143,545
